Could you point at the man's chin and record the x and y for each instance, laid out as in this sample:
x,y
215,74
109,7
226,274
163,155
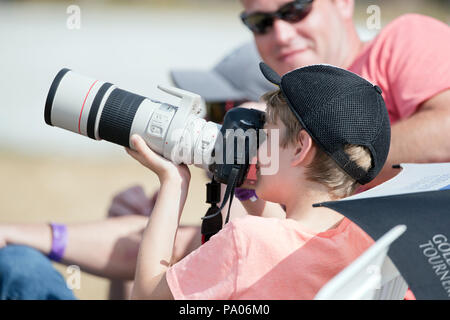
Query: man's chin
x,y
292,63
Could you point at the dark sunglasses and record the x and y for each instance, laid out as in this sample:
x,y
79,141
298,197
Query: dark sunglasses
x,y
260,22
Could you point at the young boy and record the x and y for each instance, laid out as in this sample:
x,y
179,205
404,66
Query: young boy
x,y
334,135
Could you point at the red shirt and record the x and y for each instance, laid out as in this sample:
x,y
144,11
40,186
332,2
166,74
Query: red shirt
x,y
266,258
409,60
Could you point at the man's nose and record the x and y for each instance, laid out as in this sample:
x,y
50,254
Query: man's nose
x,y
283,31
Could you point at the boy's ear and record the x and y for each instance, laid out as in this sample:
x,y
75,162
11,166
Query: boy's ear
x,y
303,152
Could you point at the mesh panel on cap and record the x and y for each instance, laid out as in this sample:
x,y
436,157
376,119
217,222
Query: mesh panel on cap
x,y
337,108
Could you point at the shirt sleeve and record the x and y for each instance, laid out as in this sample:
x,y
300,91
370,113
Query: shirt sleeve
x,y
210,272
419,62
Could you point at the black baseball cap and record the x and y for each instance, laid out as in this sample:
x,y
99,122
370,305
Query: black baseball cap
x,y
337,107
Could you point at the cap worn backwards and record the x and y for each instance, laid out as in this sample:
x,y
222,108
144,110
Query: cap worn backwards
x,y
337,107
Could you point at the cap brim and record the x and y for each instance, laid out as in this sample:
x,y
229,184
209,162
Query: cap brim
x,y
208,84
270,74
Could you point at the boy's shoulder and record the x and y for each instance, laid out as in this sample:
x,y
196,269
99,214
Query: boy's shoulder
x,y
250,221
268,230
252,226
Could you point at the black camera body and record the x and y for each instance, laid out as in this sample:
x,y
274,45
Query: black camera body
x,y
246,123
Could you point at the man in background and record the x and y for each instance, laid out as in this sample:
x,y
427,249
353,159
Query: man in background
x,y
408,60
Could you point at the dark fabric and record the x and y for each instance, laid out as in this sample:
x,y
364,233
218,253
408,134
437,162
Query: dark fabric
x,y
422,253
26,274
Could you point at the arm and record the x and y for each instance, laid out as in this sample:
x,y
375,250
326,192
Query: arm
x,y
422,138
105,248
156,250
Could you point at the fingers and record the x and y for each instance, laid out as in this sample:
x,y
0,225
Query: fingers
x,y
144,154
142,148
134,154
163,168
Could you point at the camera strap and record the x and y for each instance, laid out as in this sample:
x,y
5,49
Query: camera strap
x,y
229,194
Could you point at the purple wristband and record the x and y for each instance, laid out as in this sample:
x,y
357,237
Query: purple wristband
x,y
59,241
245,194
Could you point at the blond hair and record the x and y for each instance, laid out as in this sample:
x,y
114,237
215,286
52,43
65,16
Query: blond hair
x,y
323,169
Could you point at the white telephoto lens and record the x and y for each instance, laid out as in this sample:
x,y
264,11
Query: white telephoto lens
x,y
102,111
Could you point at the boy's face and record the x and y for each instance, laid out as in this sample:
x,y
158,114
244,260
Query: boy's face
x,y
273,167
318,38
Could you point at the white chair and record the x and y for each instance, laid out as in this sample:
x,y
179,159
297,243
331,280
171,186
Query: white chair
x,y
372,276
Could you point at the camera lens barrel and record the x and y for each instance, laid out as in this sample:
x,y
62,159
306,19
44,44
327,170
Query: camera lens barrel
x,y
118,115
94,109
91,107
51,95
102,111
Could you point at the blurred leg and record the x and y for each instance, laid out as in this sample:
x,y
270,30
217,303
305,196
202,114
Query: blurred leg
x,y
120,289
26,274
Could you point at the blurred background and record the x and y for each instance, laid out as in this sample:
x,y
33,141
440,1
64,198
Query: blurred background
x,y
45,171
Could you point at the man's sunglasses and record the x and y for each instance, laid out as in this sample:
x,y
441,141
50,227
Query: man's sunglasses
x,y
260,22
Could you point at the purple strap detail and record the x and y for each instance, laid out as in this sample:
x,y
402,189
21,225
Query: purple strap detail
x,y
245,194
59,241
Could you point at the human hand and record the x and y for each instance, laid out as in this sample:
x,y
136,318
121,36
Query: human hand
x,y
164,169
132,201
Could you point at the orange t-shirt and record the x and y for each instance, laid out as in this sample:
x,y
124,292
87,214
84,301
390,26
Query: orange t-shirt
x,y
409,60
266,258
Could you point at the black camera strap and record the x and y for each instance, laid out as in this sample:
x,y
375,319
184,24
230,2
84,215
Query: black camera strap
x,y
229,194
